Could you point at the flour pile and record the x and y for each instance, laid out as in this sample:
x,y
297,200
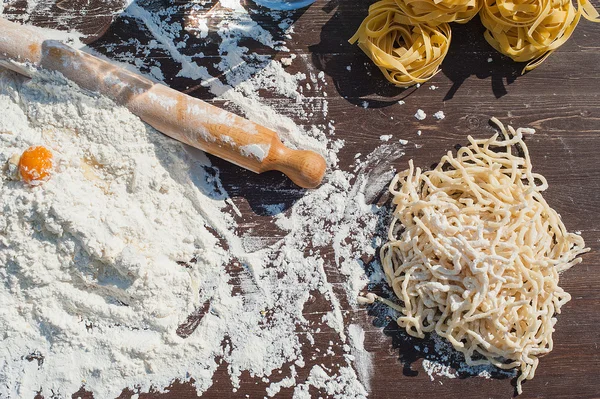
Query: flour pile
x,y
90,259
126,269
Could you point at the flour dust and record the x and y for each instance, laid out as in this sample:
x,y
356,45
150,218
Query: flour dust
x,y
117,273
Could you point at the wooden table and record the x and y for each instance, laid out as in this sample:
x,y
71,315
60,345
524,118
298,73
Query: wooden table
x,y
560,100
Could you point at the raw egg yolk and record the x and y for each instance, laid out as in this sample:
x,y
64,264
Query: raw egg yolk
x,y
35,164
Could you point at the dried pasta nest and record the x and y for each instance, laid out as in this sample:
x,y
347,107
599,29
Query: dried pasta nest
x,y
409,39
406,53
530,30
437,12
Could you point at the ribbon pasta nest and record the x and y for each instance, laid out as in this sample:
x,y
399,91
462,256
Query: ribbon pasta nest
x,y
474,254
436,12
406,53
530,30
408,39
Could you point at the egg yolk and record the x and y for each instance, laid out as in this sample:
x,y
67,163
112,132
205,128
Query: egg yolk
x,y
35,164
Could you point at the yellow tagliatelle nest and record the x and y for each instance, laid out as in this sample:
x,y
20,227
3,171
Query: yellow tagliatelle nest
x,y
436,12
406,53
408,39
530,30
474,254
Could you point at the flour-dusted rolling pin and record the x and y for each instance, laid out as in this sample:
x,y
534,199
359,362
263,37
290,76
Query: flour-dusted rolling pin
x,y
175,114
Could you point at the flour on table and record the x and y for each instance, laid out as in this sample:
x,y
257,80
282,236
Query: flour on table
x,y
362,358
443,355
105,265
331,385
91,259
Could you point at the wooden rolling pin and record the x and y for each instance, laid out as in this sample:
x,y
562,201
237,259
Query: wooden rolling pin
x,y
175,114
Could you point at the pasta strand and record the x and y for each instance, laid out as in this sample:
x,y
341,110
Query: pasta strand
x,y
406,52
479,252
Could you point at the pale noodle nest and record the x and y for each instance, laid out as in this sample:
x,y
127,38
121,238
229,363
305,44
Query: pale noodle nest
x,y
530,30
474,254
406,53
436,12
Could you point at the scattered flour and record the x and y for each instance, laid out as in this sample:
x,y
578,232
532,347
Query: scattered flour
x,y
287,61
439,363
103,263
287,382
385,137
439,115
117,271
362,358
435,369
331,385
420,115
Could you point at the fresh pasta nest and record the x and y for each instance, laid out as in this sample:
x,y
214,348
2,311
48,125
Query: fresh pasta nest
x,y
406,53
408,39
437,12
530,30
474,254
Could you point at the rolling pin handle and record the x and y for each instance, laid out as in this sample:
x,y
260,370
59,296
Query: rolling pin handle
x,y
305,168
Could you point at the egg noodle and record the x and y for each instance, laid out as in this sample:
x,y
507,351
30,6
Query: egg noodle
x,y
474,253
530,30
409,39
437,12
406,52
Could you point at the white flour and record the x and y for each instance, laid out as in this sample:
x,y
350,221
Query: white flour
x,y
443,355
134,233
93,286
89,258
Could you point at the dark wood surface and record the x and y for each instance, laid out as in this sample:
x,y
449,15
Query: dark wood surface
x,y
560,100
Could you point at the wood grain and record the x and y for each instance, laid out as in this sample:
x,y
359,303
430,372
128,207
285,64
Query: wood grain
x,y
560,100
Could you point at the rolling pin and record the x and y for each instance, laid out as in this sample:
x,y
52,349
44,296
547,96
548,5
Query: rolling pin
x,y
182,117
